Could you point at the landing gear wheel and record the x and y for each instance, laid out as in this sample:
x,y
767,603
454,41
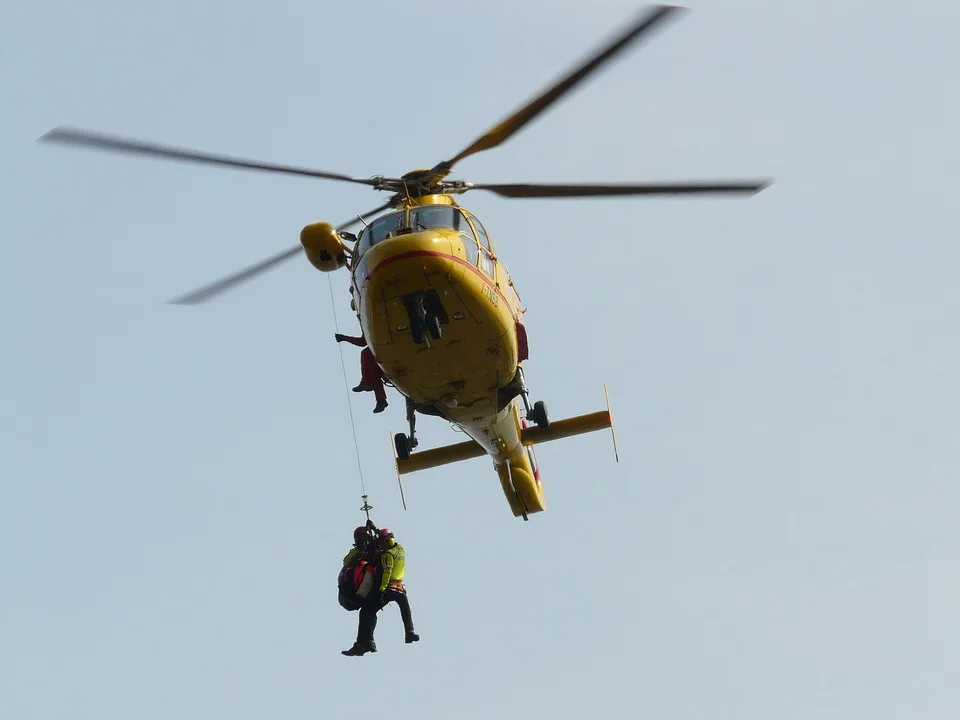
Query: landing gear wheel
x,y
402,445
539,414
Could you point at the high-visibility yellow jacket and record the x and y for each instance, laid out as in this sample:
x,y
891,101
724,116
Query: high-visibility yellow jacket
x,y
393,564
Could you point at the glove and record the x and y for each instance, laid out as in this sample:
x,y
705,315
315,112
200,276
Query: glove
x,y
338,337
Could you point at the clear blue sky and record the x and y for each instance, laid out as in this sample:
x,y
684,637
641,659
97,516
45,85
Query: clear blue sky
x,y
179,483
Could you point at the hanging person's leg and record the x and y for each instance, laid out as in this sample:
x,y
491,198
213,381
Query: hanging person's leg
x,y
364,385
366,626
372,378
399,596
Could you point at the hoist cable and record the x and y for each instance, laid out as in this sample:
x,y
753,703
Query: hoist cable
x,y
346,387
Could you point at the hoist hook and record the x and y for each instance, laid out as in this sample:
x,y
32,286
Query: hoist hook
x,y
367,507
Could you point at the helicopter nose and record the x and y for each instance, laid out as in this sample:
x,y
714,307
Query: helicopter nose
x,y
412,259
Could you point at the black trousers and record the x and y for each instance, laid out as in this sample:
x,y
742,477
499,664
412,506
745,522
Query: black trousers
x,y
368,614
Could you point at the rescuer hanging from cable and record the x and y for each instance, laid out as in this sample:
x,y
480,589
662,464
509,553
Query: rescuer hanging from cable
x,y
390,564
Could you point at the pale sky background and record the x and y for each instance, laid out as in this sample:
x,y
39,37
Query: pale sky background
x,y
780,538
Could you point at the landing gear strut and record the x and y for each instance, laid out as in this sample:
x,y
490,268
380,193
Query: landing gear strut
x,y
405,444
538,413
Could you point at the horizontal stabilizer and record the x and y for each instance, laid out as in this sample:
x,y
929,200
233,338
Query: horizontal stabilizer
x,y
559,429
440,456
532,435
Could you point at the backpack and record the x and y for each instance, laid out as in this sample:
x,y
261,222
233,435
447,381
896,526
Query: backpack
x,y
354,584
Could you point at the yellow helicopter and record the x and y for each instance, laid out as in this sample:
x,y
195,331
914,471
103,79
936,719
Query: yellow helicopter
x,y
437,306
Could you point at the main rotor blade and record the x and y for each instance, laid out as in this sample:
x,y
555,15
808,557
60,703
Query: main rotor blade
x,y
88,139
502,132
219,287
530,190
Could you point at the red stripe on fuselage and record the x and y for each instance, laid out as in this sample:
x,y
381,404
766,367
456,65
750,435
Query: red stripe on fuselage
x,y
433,253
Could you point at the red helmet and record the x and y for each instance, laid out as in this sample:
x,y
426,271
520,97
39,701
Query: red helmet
x,y
385,533
360,535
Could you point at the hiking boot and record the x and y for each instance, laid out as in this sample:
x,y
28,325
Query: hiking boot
x,y
362,387
381,406
358,650
411,637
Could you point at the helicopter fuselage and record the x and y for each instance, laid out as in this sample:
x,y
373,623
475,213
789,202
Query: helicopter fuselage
x,y
438,309
442,318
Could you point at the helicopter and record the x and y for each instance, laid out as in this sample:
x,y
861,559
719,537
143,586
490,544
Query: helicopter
x,y
437,305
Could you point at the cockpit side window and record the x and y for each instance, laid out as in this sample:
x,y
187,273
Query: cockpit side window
x,y
481,234
469,240
487,261
464,226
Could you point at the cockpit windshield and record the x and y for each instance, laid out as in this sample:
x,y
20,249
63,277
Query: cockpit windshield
x,y
429,217
436,216
382,227
379,230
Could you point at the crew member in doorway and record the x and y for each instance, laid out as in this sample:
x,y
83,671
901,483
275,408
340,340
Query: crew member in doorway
x,y
391,589
371,376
